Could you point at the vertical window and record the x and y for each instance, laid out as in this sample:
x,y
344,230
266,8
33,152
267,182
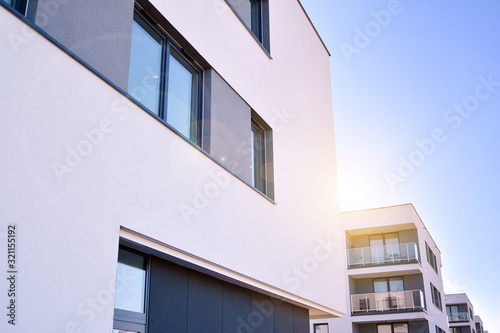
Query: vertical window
x,y
436,297
383,285
163,80
261,156
258,140
130,292
19,5
256,18
321,328
384,246
431,258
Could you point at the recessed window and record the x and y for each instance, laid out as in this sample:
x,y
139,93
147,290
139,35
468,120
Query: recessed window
x,y
163,80
431,258
19,5
436,297
256,18
321,328
392,328
261,158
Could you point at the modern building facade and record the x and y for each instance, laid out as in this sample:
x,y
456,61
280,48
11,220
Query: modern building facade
x,y
393,275
460,313
155,172
479,324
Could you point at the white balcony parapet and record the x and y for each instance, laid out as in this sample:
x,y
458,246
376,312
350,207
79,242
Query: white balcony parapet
x,y
387,301
382,255
458,317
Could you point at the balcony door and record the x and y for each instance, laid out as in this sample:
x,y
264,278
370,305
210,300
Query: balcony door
x,y
384,248
384,287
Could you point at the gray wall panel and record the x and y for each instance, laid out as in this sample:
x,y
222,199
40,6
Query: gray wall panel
x,y
99,32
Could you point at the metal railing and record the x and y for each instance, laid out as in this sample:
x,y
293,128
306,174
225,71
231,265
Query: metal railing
x,y
388,301
383,254
458,317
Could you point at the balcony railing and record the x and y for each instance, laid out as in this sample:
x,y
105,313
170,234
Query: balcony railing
x,y
458,317
389,301
384,254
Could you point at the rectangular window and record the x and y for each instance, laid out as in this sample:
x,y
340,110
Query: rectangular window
x,y
130,295
385,246
436,297
439,330
19,5
383,285
431,258
392,328
456,329
163,80
259,21
261,158
320,328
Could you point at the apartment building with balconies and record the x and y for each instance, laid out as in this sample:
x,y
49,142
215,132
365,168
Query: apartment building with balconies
x,y
393,275
154,172
460,313
479,324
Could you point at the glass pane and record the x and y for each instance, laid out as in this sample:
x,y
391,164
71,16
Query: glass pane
x,y
145,66
321,328
258,158
377,248
9,2
122,331
180,96
380,285
400,328
256,18
391,239
396,284
384,329
130,282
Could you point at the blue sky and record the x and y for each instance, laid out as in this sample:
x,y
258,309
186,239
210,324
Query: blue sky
x,y
416,97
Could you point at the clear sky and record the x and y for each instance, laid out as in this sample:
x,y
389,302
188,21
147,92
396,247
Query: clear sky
x,y
416,97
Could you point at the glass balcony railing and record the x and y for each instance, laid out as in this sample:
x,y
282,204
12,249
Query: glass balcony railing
x,y
389,301
384,254
458,317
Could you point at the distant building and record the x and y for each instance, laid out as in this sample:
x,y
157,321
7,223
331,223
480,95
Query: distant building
x,y
460,313
479,324
393,275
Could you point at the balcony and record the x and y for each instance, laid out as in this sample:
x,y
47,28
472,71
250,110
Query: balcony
x,y
458,317
383,255
376,303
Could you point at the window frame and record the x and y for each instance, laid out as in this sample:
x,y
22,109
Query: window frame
x,y
318,325
18,5
264,170
431,258
131,320
392,326
170,48
436,297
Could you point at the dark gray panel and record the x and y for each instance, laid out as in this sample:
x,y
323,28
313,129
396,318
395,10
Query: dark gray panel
x,y
300,320
168,297
204,303
283,317
99,32
237,308
262,316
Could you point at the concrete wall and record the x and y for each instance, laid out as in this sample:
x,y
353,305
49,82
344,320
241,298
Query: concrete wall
x,y
99,32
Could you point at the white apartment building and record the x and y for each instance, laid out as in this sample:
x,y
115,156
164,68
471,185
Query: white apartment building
x,y
479,324
392,275
461,314
155,175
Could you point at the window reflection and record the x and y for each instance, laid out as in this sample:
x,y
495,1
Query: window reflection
x,y
145,66
130,282
180,96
